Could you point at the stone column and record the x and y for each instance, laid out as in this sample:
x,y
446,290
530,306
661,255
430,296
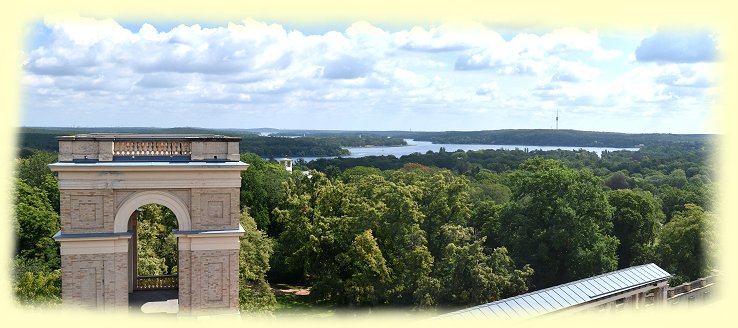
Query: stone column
x,y
133,251
94,270
208,271
659,296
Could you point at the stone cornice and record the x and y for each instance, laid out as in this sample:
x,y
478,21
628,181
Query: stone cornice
x,y
148,166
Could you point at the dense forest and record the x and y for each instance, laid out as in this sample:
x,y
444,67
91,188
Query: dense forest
x,y
436,230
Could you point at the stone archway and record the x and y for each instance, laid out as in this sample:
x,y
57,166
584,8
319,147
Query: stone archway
x,y
141,198
104,178
126,219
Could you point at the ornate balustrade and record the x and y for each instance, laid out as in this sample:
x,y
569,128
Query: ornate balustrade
x,y
157,282
152,148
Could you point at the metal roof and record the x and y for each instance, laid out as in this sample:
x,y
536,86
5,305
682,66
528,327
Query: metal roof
x,y
567,295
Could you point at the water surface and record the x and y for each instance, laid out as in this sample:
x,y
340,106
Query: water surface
x,y
425,146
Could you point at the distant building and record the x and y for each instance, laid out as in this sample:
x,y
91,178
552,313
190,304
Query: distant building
x,y
287,163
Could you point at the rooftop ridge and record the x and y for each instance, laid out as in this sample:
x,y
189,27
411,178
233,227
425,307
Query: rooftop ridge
x,y
572,283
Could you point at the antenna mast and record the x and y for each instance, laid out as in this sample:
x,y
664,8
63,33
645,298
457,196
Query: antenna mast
x,y
557,118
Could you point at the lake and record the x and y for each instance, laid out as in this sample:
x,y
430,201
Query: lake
x,y
425,146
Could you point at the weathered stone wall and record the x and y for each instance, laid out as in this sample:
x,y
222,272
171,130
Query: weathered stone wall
x,y
184,270
95,281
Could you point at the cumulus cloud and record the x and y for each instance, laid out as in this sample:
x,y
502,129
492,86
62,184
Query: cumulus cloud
x,y
677,47
531,54
250,68
578,95
488,89
447,37
574,72
159,80
346,67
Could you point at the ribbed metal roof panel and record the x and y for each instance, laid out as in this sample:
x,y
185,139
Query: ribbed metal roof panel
x,y
567,295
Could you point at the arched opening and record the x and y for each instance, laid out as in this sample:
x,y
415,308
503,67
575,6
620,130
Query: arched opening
x,y
153,255
153,260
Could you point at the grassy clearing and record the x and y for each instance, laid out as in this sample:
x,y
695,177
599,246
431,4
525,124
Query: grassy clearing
x,y
295,301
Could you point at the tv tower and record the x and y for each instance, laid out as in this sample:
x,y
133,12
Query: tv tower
x,y
557,118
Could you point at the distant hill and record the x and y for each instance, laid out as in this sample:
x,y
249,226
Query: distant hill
x,y
573,138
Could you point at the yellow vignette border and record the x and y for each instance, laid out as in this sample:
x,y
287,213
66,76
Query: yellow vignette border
x,y
624,14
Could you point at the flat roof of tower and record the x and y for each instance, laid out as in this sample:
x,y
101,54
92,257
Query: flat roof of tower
x,y
134,136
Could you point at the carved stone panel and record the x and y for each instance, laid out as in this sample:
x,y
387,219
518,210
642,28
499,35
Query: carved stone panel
x,y
88,280
215,209
214,275
213,281
88,211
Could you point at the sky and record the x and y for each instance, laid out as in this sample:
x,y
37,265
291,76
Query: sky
x,y
85,72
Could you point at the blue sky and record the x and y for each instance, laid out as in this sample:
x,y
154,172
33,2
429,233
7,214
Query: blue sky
x,y
83,71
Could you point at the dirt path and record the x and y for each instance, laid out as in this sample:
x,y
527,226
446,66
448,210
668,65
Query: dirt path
x,y
298,292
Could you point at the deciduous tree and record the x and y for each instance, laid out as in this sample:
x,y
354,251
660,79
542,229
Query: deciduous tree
x,y
636,220
559,222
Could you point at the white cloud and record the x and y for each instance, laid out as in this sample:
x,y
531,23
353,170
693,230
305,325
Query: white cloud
x,y
568,71
531,54
447,37
250,68
488,90
600,54
678,47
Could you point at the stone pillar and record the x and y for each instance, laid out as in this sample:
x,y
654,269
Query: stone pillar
x,y
631,301
106,151
95,270
133,251
659,296
208,271
233,151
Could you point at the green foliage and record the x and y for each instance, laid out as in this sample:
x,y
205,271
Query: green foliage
x,y
423,229
469,276
254,293
365,239
35,223
33,169
636,221
485,220
686,245
262,191
369,270
559,222
39,287
156,244
675,199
